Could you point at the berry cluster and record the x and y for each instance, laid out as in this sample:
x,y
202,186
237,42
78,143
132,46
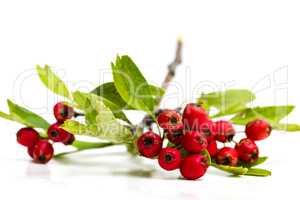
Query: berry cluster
x,y
193,132
41,149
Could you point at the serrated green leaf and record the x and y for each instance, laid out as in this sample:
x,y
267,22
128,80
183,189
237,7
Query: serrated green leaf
x,y
258,172
227,102
100,121
131,84
82,99
272,114
109,92
230,169
26,117
52,81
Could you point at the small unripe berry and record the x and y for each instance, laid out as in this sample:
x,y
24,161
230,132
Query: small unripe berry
x,y
169,158
169,119
27,137
212,148
41,152
194,141
62,112
224,131
247,150
57,134
149,144
227,156
258,129
193,166
175,136
194,116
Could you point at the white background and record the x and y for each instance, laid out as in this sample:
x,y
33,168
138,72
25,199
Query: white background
x,y
227,44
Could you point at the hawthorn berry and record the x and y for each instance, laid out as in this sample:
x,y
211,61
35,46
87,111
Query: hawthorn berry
x,y
224,131
194,141
169,158
212,148
27,137
69,140
169,119
41,152
247,150
62,112
227,156
258,129
194,115
194,166
208,130
175,136
57,134
149,144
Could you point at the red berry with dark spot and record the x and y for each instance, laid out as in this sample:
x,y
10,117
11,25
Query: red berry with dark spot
x,y
169,158
57,134
212,148
169,119
193,166
149,144
247,150
42,151
62,112
69,140
224,131
227,156
258,129
194,141
27,137
175,136
194,116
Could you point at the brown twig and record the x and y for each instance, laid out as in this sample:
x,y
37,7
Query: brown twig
x,y
147,120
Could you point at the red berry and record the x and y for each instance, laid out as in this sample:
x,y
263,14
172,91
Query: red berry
x,y
169,158
149,144
42,151
224,130
194,141
27,137
57,134
69,140
258,129
62,112
194,116
175,136
247,150
193,166
169,119
208,130
212,148
227,156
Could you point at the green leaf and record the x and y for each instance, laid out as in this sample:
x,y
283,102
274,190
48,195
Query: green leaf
x,y
52,81
272,114
258,172
131,85
83,100
230,169
26,117
100,121
259,161
109,92
5,116
227,102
